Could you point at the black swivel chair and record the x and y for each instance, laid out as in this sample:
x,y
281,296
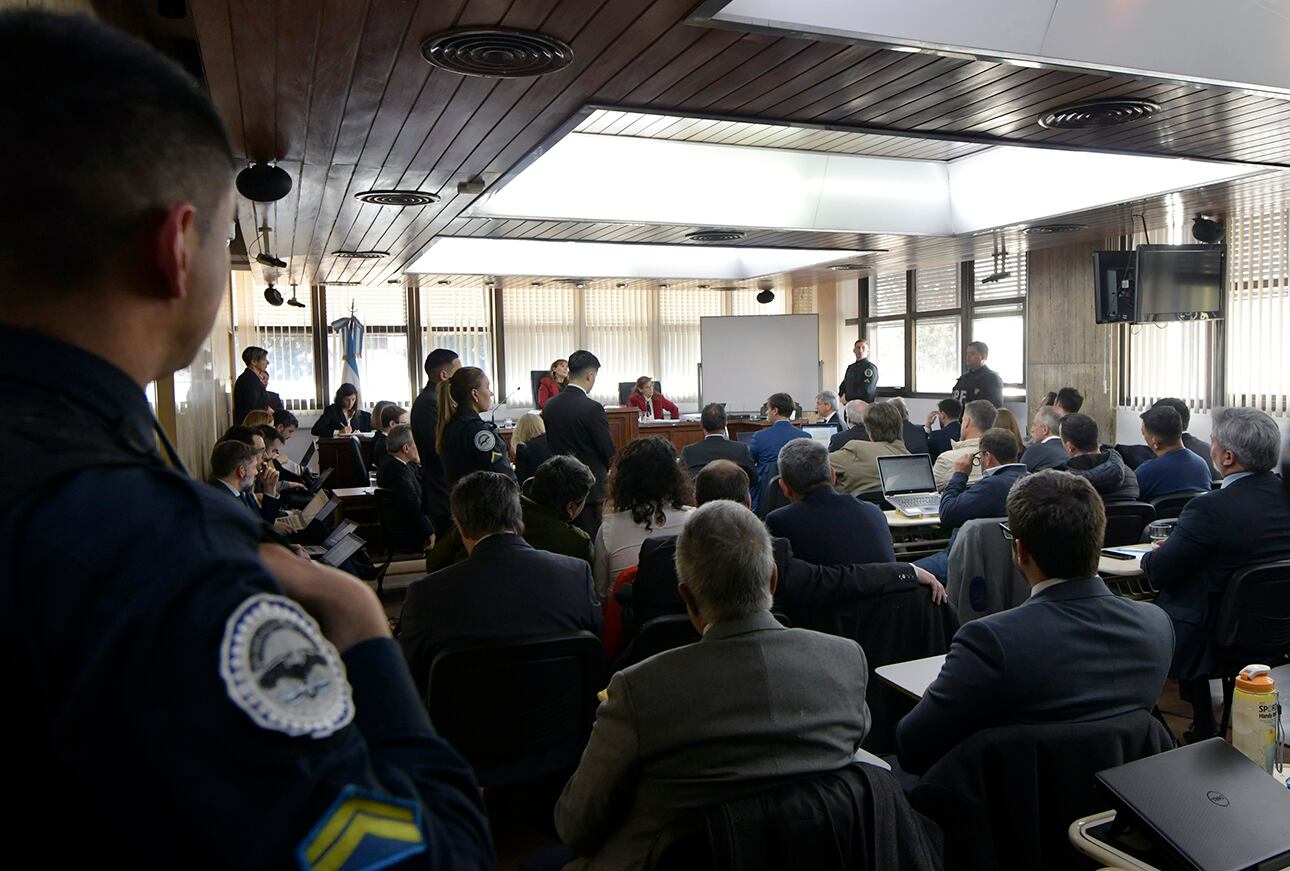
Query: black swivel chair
x,y
1253,624
625,390
519,711
655,636
535,380
1125,522
1169,507
873,497
772,496
352,470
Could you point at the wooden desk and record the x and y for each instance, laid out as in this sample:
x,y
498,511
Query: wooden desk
x,y
338,454
359,505
896,520
1122,568
913,677
679,432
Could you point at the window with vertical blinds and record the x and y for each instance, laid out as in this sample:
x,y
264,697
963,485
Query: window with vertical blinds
x,y
286,332
936,288
1258,312
887,295
618,322
459,319
678,320
540,327
1170,359
383,367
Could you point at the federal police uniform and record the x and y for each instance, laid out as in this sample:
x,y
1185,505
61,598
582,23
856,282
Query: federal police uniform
x,y
472,444
980,383
860,381
168,706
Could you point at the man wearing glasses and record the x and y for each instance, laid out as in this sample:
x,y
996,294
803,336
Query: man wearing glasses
x,y
1073,652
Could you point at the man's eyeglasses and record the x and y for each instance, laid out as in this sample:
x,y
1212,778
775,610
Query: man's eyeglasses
x,y
1007,532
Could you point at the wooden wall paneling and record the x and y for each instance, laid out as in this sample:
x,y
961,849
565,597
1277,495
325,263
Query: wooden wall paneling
x,y
965,79
854,76
707,49
255,36
335,53
297,37
219,61
776,54
908,72
820,79
734,93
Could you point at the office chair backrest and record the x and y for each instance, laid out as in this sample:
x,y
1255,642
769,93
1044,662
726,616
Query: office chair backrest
x,y
982,577
625,390
535,382
1125,522
1254,613
873,497
1169,507
655,636
352,471
521,710
773,497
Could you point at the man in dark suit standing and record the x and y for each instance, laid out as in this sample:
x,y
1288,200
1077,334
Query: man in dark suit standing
x,y
504,590
1073,652
716,445
409,529
249,393
1046,451
576,424
854,411
1244,523
439,366
861,378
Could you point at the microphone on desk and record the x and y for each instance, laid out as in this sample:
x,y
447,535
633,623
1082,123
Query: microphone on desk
x,y
493,419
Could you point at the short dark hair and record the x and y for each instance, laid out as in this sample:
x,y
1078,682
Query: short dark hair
x,y
1163,422
1070,399
227,456
437,359
484,503
782,403
1001,443
982,413
647,479
282,417
981,347
269,433
106,136
721,479
1184,413
1080,430
560,480
239,433
582,361
713,418
951,408
1061,520
253,354
391,414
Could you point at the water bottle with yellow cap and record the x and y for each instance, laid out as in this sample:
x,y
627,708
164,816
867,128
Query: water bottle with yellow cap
x,y
1256,715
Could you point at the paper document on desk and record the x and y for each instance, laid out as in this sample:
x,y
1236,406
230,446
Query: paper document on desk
x,y
1129,550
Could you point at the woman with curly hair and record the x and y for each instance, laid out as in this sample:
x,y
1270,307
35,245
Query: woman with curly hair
x,y
651,495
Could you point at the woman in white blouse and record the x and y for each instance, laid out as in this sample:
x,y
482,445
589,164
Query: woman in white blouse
x,y
651,495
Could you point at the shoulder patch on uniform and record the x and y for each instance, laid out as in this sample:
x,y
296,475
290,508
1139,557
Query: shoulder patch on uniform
x,y
280,670
363,831
868,373
485,440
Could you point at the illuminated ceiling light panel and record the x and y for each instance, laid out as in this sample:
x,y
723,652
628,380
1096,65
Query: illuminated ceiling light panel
x,y
589,177
473,255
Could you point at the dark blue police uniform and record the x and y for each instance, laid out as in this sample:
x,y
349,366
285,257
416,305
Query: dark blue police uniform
x,y
472,444
169,707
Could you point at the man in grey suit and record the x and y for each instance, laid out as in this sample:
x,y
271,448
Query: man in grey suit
x,y
1046,451
716,445
749,705
1072,652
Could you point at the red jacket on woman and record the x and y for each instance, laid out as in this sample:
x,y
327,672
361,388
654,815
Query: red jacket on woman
x,y
661,404
547,388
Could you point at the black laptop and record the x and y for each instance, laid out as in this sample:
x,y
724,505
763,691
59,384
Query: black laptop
x,y
342,550
317,482
1205,805
343,529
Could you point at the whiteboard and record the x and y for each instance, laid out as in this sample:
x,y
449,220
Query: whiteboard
x,y
747,358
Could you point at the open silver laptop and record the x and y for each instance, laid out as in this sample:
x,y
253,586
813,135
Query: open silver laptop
x,y
344,529
907,483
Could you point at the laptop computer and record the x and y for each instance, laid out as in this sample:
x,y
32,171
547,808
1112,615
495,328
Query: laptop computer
x,y
342,550
319,508
309,454
344,529
908,484
1206,805
821,432
317,482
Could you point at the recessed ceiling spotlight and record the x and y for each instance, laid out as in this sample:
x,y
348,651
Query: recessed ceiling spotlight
x,y
1099,113
400,198
580,284
1048,229
496,52
361,255
716,235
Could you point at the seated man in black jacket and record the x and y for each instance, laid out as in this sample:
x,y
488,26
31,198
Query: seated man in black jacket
x,y
504,591
1104,469
408,528
391,416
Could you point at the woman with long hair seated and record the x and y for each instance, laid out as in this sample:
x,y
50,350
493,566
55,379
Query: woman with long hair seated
x,y
1007,420
555,380
344,415
531,448
651,495
465,441
649,400
856,462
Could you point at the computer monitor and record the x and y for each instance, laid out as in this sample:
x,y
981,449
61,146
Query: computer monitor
x,y
820,432
906,473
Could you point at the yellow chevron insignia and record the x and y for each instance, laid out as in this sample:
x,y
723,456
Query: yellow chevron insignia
x,y
363,831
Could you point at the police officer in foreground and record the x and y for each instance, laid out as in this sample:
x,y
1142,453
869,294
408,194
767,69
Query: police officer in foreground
x,y
466,442
182,693
979,381
861,378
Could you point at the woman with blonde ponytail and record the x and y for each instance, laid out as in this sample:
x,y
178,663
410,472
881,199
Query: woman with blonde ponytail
x,y
465,441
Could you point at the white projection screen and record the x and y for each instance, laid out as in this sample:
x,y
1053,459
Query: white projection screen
x,y
747,358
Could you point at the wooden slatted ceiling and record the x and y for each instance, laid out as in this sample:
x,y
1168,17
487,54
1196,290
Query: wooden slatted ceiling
x,y
337,91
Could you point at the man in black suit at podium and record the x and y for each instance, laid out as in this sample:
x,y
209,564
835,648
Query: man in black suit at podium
x,y
716,445
576,424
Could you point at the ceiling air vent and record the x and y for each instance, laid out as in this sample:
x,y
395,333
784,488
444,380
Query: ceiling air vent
x,y
493,52
1048,229
361,255
1099,113
716,235
397,198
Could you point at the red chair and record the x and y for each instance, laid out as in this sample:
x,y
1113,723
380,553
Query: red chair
x,y
613,634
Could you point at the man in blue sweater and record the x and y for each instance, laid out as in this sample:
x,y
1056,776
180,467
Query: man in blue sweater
x,y
988,497
765,445
1175,469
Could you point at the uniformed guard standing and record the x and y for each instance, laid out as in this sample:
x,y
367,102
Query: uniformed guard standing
x,y
979,381
466,442
861,378
182,693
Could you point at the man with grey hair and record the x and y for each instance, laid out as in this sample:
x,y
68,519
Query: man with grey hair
x,y
826,406
913,435
1244,523
399,480
854,412
749,705
978,416
1046,451
822,525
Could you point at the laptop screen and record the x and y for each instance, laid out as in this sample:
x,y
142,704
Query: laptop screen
x,y
821,433
344,529
309,454
343,550
909,473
